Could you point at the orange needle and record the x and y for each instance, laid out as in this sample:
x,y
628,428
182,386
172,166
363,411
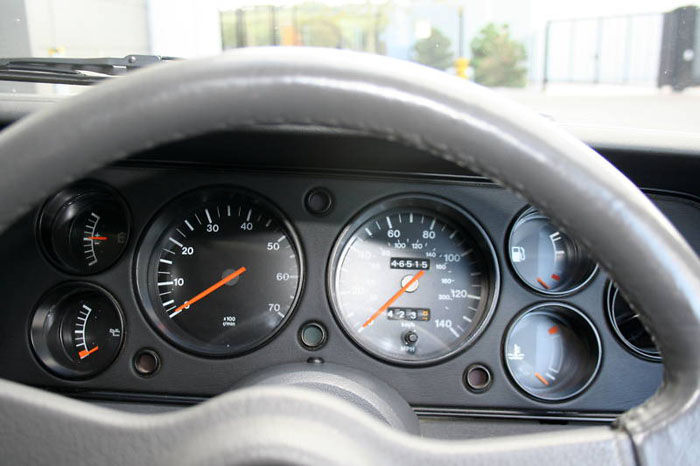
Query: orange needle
x,y
98,238
208,291
394,298
541,379
85,353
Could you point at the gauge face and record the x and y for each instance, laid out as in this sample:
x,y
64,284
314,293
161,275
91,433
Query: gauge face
x,y
219,272
77,330
627,326
85,228
413,280
552,352
545,259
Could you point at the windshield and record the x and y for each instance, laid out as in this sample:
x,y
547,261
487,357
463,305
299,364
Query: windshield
x,y
599,62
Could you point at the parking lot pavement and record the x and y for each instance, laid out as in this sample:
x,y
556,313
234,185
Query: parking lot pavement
x,y
640,108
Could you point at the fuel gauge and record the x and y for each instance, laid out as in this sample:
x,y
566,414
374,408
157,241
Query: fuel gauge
x,y
77,330
546,259
84,228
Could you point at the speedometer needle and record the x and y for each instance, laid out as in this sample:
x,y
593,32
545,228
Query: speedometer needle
x,y
208,291
394,298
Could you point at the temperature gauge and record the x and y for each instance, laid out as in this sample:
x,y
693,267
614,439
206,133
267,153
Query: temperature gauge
x,y
546,259
552,352
85,228
77,330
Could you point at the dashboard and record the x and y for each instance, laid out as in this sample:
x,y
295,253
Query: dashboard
x,y
181,272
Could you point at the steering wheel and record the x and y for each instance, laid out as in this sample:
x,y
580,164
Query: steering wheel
x,y
386,99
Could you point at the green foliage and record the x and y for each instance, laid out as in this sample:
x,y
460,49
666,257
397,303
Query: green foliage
x,y
434,51
352,26
498,59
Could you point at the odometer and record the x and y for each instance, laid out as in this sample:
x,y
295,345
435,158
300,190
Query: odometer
x,y
219,271
413,279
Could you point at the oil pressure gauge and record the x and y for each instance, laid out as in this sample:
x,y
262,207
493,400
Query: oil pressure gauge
x,y
77,330
84,228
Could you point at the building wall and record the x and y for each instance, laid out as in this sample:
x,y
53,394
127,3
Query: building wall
x,y
114,27
184,28
14,32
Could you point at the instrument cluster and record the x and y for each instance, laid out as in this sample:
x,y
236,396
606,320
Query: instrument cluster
x,y
413,279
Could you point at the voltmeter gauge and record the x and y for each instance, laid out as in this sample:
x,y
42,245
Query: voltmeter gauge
x,y
552,352
77,330
624,320
85,228
413,280
546,259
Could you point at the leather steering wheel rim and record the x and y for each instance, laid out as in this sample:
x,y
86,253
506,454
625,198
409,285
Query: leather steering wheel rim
x,y
384,98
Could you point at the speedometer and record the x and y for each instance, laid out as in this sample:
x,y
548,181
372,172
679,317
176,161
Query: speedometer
x,y
413,279
219,271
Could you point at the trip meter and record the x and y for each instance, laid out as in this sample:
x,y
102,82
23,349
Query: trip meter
x,y
413,279
219,271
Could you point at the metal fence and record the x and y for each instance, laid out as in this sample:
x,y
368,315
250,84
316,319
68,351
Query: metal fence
x,y
607,50
644,49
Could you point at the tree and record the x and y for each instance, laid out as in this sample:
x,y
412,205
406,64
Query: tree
x,y
433,51
498,59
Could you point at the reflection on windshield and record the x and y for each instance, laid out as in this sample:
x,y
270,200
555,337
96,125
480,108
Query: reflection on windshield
x,y
622,63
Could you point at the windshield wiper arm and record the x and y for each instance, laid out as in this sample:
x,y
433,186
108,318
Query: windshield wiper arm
x,y
80,71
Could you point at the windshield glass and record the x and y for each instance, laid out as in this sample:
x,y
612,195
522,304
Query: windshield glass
x,y
629,63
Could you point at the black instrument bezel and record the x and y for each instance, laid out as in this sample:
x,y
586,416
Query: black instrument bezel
x,y
171,214
455,213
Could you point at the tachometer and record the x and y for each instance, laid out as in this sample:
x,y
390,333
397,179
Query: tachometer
x,y
413,280
219,271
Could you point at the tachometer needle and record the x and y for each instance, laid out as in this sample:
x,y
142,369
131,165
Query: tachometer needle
x,y
208,291
85,353
97,238
394,298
